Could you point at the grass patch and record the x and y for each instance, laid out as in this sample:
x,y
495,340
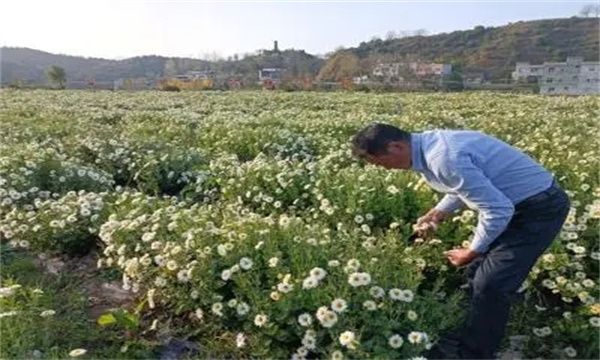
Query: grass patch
x,y
28,332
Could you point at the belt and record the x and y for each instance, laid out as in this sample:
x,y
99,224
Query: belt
x,y
542,195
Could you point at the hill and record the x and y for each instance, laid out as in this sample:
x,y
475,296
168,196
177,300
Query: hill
x,y
493,50
30,64
496,49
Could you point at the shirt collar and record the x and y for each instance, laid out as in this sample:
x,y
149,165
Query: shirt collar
x,y
416,152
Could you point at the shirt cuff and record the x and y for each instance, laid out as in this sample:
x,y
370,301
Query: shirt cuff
x,y
449,203
479,245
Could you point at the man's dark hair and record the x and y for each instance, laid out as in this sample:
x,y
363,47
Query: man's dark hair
x,y
373,139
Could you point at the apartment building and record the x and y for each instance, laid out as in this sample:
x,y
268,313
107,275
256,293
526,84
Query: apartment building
x,y
572,77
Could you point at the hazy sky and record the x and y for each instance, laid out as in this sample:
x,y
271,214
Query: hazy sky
x,y
117,29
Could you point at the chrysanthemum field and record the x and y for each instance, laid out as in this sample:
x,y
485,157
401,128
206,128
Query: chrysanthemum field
x,y
241,223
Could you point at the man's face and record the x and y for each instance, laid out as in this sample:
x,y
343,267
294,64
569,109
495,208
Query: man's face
x,y
398,156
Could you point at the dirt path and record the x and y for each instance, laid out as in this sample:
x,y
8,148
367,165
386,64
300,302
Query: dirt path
x,y
102,295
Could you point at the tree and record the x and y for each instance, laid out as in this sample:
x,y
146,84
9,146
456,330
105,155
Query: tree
x,y
453,81
343,65
57,75
170,69
590,9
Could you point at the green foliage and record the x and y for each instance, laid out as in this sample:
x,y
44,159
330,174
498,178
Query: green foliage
x,y
237,213
57,75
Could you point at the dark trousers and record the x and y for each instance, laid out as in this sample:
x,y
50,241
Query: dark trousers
x,y
496,276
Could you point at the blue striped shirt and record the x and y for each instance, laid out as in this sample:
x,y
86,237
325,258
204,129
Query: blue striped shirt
x,y
479,171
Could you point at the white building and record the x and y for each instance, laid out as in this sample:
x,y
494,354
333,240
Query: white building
x,y
573,77
418,69
524,70
270,74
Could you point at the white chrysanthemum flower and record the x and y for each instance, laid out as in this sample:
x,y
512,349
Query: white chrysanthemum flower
x,y
273,262
305,319
242,308
77,352
184,275
172,265
395,341
588,283
366,229
199,314
333,263
310,333
176,250
570,351
260,320
355,263
226,274
542,332
416,337
246,263
395,294
156,245
300,354
160,281
377,292
329,319
47,313
339,305
240,340
148,236
337,355
412,315
310,283
284,221
579,250
595,321
392,189
8,313
355,279
275,296
217,309
370,305
285,288
321,312
407,296
318,273
221,250
365,278
359,219
309,342
348,339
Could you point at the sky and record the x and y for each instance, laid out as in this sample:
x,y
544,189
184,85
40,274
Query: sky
x,y
126,28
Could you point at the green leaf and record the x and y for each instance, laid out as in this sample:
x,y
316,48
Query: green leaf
x,y
140,307
106,319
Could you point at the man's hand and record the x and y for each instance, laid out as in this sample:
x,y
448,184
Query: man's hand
x,y
461,257
429,221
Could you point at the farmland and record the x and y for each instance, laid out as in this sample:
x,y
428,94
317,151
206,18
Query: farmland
x,y
240,222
